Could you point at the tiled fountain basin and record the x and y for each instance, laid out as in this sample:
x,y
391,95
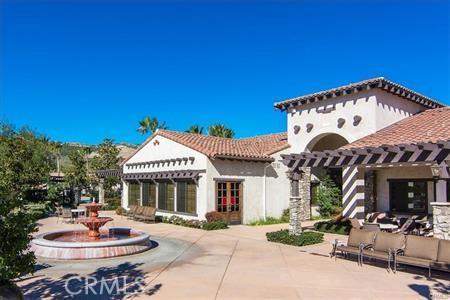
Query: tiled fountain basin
x,y
61,245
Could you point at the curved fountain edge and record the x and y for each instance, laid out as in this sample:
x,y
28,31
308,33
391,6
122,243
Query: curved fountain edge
x,y
40,241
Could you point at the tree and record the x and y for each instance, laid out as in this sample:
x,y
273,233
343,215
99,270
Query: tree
x,y
25,162
328,196
107,158
220,131
148,124
197,129
77,174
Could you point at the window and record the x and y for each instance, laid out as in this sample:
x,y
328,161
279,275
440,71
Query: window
x,y
165,196
134,191
186,197
409,196
149,194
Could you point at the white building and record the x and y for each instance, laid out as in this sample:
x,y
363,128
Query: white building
x,y
191,174
364,129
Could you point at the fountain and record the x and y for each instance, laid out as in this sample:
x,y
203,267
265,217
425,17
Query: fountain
x,y
93,221
91,243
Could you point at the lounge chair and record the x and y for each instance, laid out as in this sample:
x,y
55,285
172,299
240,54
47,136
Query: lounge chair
x,y
355,223
383,246
131,211
443,257
148,215
371,227
357,241
419,251
138,211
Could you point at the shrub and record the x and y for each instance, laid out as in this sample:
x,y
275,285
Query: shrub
x,y
39,210
303,239
213,216
267,221
286,215
120,211
215,225
327,196
338,227
111,204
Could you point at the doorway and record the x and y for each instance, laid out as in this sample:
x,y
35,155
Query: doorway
x,y
229,200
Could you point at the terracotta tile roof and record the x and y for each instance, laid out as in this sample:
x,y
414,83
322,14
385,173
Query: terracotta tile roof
x,y
253,148
258,147
432,125
378,82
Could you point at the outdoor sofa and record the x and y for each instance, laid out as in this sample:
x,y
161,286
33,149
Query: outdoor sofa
x,y
419,251
148,214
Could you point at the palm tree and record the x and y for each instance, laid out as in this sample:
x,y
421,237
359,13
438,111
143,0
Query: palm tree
x,y
220,131
149,124
197,129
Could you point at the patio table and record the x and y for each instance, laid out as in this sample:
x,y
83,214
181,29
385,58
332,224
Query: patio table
x,y
77,212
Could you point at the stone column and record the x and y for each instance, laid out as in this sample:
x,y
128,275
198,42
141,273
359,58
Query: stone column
x,y
295,205
101,191
441,220
305,194
370,186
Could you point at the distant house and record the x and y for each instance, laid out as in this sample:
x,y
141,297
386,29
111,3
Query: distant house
x,y
191,174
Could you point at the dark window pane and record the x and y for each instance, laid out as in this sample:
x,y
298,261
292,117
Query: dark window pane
x,y
409,196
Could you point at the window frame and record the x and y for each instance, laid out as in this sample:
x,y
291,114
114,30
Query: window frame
x,y
406,180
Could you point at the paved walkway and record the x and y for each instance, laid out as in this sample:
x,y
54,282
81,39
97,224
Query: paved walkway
x,y
237,263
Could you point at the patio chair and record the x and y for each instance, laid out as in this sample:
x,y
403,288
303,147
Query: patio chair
x,y
371,227
355,223
137,211
148,215
443,257
58,212
357,241
419,251
131,210
383,246
67,215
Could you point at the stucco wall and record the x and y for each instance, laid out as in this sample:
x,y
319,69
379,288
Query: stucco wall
x,y
168,149
400,173
377,108
252,174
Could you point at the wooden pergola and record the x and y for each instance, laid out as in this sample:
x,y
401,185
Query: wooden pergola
x,y
384,155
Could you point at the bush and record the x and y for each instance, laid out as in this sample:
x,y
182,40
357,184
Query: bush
x,y
120,211
213,216
337,227
39,210
215,225
267,221
111,204
286,215
327,196
303,239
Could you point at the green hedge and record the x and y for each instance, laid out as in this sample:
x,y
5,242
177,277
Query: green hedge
x,y
303,239
214,225
337,227
39,210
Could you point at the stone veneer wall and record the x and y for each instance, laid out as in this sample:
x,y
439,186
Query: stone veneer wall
x,y
441,220
305,195
370,191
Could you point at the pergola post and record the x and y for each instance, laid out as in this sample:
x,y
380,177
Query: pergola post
x,y
101,191
295,205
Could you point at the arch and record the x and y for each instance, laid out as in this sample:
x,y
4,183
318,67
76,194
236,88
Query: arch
x,y
326,141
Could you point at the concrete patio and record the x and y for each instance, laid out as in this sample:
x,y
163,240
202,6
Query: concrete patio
x,y
237,263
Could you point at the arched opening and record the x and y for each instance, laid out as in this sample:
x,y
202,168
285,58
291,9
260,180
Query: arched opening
x,y
327,141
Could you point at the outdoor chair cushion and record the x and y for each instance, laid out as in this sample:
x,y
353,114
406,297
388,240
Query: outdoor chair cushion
x,y
414,261
421,247
358,236
385,241
444,252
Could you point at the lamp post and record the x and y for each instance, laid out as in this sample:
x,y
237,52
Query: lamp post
x,y
436,173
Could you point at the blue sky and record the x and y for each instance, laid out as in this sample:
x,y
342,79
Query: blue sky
x,y
84,70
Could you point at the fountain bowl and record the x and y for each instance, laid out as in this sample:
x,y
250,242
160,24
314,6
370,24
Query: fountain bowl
x,y
77,245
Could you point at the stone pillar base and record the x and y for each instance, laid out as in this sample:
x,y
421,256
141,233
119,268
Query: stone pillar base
x,y
295,226
441,220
